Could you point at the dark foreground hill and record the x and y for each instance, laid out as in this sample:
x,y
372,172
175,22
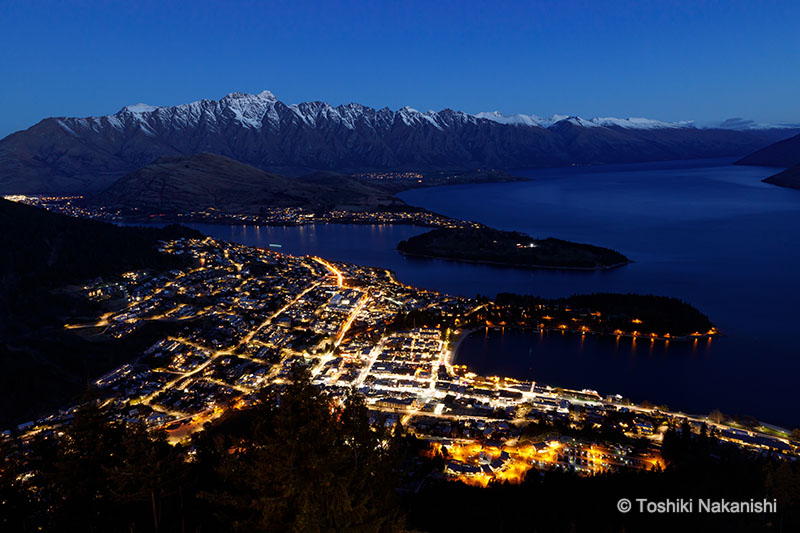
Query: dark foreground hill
x,y
181,184
40,249
41,364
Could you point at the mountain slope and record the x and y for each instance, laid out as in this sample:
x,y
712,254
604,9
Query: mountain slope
x,y
69,155
788,178
42,365
785,153
174,184
39,249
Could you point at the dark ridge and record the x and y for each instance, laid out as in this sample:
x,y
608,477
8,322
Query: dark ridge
x,y
40,249
788,178
784,153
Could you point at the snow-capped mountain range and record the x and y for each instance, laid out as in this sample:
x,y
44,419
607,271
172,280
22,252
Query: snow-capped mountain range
x,y
68,154
259,110
605,122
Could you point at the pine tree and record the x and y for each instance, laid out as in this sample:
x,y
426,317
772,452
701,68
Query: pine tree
x,y
16,505
72,472
309,465
149,473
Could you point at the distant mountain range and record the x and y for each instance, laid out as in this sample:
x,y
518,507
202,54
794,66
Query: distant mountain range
x,y
78,155
785,153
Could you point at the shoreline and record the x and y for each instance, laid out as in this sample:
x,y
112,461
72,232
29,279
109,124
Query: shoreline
x,y
457,344
763,429
467,332
682,338
168,221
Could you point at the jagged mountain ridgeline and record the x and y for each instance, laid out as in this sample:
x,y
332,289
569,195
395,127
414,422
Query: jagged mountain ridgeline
x,y
79,155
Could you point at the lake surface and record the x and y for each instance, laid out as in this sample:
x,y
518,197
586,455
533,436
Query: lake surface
x,y
707,232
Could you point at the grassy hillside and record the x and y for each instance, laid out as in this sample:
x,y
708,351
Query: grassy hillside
x,y
181,184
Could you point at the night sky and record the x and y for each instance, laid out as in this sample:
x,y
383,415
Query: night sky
x,y
703,61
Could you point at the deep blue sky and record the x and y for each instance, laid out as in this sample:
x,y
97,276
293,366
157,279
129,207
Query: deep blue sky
x,y
694,60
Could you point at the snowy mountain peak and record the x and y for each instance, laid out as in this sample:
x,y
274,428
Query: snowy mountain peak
x,y
534,120
139,108
267,95
263,95
249,109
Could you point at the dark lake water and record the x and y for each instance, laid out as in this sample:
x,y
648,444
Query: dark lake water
x,y
707,232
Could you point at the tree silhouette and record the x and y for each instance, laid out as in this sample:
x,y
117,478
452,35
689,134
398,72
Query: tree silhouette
x,y
16,507
148,472
72,471
309,465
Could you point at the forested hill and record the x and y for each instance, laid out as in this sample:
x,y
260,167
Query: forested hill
x,y
40,249
42,365
511,248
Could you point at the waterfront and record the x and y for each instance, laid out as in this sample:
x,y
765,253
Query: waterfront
x,y
675,374
685,225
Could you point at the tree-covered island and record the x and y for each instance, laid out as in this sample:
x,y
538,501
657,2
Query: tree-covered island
x,y
510,248
633,315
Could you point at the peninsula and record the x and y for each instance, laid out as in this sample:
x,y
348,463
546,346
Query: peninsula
x,y
510,248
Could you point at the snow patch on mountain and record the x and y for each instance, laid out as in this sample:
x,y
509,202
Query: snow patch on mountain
x,y
743,124
66,128
496,116
543,122
139,108
640,123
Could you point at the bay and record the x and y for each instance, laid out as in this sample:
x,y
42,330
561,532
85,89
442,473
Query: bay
x,y
707,232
